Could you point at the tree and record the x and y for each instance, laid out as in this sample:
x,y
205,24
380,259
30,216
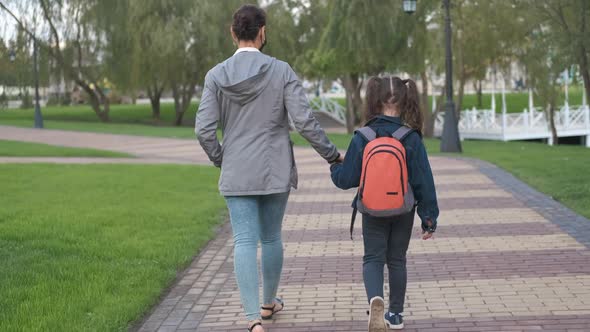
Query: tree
x,y
19,72
361,38
149,48
482,40
77,38
544,62
423,53
566,23
286,24
202,39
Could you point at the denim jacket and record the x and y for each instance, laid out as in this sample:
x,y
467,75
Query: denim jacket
x,y
347,174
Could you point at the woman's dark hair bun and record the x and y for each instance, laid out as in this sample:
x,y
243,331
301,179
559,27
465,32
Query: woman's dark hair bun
x,y
248,20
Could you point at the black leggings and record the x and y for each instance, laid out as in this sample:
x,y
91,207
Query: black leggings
x,y
386,242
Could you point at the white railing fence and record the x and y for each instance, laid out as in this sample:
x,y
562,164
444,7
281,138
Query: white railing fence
x,y
329,107
478,119
530,124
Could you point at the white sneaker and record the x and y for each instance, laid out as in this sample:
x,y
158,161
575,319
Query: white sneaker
x,y
376,314
394,321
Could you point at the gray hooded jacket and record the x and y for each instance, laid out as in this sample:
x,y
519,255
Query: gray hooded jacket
x,y
250,95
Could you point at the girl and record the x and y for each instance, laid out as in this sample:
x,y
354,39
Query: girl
x,y
391,103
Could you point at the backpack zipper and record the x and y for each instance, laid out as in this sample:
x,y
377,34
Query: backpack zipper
x,y
400,168
393,146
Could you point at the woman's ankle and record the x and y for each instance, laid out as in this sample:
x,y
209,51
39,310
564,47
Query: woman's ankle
x,y
255,325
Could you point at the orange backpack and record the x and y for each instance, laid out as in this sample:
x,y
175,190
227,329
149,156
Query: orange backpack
x,y
384,190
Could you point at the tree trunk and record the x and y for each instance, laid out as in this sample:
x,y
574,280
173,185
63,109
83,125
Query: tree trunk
x,y
425,109
460,93
179,117
105,114
155,101
106,108
96,97
551,111
182,95
584,69
429,126
177,102
479,94
586,77
583,58
155,93
351,86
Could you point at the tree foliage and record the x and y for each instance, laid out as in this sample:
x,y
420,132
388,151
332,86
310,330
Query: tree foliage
x,y
158,46
362,37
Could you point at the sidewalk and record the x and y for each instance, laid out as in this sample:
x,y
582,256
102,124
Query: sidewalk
x,y
505,257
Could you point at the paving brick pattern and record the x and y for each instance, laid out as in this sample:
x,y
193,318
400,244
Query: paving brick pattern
x,y
498,263
505,257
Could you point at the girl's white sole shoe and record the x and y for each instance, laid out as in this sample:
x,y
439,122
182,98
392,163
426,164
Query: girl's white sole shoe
x,y
376,315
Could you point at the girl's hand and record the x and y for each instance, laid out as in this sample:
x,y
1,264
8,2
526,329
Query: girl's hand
x,y
338,160
425,233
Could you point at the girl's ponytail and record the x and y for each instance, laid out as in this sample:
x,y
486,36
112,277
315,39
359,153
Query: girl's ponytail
x,y
394,91
410,109
373,104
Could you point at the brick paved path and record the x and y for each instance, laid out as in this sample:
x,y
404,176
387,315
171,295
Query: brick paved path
x,y
505,258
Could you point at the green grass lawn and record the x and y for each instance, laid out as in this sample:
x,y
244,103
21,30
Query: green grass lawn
x,y
125,119
90,247
108,128
23,149
129,114
559,171
516,101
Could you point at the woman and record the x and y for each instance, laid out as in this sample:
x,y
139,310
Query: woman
x,y
251,96
392,103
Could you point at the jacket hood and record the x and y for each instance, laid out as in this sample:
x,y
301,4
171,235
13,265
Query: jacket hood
x,y
244,76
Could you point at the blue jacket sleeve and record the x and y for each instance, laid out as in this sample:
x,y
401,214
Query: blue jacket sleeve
x,y
422,180
348,174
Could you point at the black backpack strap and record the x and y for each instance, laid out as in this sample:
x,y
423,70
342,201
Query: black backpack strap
x,y
368,133
402,133
352,221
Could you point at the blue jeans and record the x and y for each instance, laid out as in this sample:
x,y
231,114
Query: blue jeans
x,y
257,219
386,241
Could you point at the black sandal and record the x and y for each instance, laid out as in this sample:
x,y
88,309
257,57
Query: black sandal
x,y
251,328
272,309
